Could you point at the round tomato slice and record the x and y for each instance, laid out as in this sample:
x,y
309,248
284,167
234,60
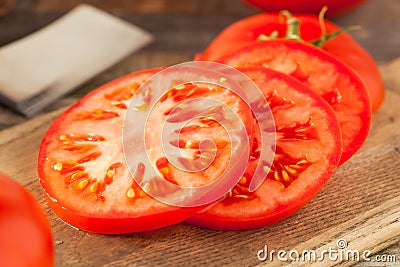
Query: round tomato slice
x,y
322,73
82,165
307,153
335,7
343,46
25,233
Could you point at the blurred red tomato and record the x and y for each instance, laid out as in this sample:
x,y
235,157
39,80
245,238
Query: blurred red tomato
x,y
25,234
335,7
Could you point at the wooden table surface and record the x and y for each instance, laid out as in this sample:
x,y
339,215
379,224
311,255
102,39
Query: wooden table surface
x,y
360,203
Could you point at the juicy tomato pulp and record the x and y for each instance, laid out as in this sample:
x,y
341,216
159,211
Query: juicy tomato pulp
x,y
82,167
335,7
25,234
343,47
307,153
194,132
323,74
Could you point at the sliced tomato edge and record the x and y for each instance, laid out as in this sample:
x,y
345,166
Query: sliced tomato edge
x,y
120,225
214,222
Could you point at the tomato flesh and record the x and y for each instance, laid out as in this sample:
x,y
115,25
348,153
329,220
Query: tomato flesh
x,y
194,132
307,153
82,167
25,234
343,47
323,74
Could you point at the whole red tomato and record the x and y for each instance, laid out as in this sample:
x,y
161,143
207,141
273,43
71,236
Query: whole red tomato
x,y
343,47
335,7
25,234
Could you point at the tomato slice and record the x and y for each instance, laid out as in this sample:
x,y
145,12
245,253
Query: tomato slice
x,y
25,233
307,153
344,46
322,73
83,170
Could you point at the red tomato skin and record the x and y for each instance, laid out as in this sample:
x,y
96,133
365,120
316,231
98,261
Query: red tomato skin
x,y
214,222
109,225
117,225
335,7
343,47
210,221
25,233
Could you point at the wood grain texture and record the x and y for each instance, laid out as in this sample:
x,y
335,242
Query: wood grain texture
x,y
372,231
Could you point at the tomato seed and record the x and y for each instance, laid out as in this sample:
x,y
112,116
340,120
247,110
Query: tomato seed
x,y
57,166
94,187
131,193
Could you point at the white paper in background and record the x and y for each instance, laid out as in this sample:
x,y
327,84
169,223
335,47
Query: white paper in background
x,y
41,67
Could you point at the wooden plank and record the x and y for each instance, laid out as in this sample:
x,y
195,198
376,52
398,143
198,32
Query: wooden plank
x,y
372,231
19,146
363,192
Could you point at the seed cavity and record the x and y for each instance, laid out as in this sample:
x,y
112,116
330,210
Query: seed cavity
x,y
110,173
97,114
277,101
333,97
164,169
123,93
90,157
240,190
118,104
184,91
77,147
77,142
299,131
300,74
286,169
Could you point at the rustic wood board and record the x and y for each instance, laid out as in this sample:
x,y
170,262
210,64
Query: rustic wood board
x,y
360,203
